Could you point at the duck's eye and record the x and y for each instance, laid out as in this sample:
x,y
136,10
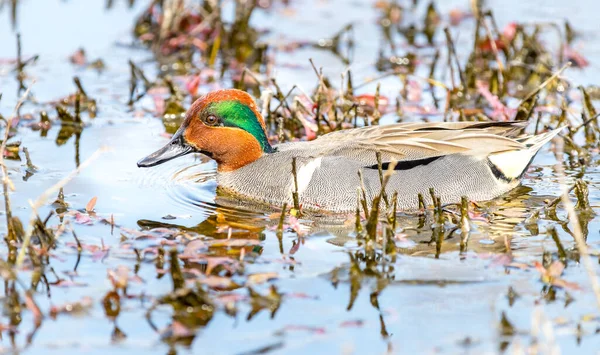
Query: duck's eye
x,y
211,120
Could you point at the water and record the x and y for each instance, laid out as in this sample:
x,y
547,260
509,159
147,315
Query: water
x,y
418,304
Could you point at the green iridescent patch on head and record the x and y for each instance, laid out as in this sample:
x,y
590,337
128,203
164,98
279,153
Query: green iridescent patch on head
x,y
238,115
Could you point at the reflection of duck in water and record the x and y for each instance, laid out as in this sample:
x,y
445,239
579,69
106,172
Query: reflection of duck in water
x,y
249,220
480,160
229,238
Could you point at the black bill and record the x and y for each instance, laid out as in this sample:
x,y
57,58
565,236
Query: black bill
x,y
175,148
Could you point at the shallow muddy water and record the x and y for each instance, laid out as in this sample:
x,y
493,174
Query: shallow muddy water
x,y
328,297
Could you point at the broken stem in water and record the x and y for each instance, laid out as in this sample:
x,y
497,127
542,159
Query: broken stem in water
x,y
373,217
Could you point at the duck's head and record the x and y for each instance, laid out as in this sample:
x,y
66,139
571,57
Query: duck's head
x,y
224,125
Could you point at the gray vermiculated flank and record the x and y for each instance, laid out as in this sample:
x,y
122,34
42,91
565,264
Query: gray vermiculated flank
x,y
334,183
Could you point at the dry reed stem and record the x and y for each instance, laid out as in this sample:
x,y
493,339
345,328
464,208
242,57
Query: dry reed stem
x,y
6,183
10,119
577,233
545,83
496,53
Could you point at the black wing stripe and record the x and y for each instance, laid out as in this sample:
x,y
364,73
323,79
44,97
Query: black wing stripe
x,y
407,164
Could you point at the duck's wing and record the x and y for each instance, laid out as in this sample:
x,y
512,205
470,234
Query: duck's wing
x,y
507,128
415,141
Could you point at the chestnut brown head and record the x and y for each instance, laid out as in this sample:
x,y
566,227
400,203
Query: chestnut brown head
x,y
224,125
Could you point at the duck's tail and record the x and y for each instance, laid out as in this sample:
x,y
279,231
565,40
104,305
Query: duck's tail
x,y
512,164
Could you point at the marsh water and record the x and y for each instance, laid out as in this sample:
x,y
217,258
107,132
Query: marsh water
x,y
298,292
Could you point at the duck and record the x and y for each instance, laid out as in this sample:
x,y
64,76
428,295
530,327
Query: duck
x,y
479,160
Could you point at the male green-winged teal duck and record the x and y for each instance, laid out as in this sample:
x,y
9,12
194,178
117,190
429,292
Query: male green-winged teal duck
x,y
480,160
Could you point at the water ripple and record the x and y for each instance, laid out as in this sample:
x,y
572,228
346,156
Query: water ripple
x,y
191,184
